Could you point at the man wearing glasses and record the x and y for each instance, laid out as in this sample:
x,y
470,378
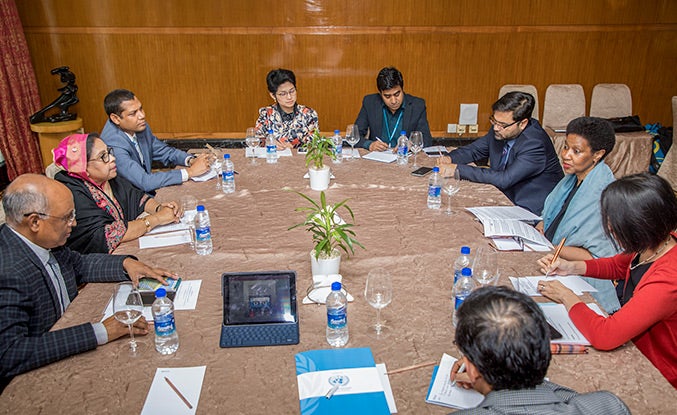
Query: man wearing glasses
x,y
386,114
136,147
39,278
523,162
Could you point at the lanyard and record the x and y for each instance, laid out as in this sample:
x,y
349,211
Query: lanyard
x,y
385,121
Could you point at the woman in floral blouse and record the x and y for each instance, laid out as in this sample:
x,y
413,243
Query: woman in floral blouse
x,y
292,123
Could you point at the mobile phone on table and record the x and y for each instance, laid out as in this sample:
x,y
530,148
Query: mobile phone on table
x,y
421,171
554,334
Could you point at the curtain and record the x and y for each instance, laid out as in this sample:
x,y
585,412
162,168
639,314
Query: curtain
x,y
18,96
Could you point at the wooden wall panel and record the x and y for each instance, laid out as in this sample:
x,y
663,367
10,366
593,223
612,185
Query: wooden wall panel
x,y
199,67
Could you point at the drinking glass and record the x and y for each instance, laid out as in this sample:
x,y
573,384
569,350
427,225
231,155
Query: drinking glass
x,y
451,186
352,138
379,293
415,144
252,142
217,167
485,267
127,309
189,204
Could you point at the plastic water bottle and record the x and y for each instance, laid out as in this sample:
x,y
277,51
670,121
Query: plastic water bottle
x,y
462,289
402,149
463,261
271,148
338,147
166,336
337,316
203,234
435,189
228,174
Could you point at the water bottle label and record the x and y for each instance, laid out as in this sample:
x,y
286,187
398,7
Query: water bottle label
x,y
459,300
457,275
164,325
402,151
271,149
337,318
434,190
203,234
228,176
339,149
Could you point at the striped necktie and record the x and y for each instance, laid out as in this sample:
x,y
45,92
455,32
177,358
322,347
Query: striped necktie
x,y
60,284
138,149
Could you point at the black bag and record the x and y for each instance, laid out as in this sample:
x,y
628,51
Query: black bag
x,y
626,124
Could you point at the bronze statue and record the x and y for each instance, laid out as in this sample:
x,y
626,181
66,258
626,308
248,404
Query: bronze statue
x,y
67,98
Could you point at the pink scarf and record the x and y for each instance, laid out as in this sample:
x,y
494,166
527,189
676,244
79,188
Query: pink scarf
x,y
71,155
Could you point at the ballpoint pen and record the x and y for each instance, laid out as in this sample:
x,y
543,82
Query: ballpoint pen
x,y
176,390
460,370
331,392
556,256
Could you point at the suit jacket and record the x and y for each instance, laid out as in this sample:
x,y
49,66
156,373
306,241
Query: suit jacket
x,y
370,119
29,305
532,170
129,163
548,399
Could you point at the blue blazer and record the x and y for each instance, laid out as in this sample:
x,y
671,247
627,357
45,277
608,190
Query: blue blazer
x,y
370,119
532,170
129,163
29,305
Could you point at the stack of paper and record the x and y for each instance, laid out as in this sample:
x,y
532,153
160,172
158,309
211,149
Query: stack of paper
x,y
506,226
260,152
528,285
442,392
558,317
435,151
383,156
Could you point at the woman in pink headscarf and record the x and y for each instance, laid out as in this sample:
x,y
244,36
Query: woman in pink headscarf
x,y
106,206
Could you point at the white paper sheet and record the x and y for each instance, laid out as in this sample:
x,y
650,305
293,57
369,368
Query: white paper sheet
x,y
503,212
204,177
509,228
382,156
443,393
385,381
435,151
165,239
558,317
170,227
261,152
348,153
185,299
162,399
528,285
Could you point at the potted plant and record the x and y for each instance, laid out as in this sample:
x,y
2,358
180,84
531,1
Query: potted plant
x,y
316,149
331,234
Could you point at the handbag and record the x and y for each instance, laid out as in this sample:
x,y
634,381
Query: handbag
x,y
626,124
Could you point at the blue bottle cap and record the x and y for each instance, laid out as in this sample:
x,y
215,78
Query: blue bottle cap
x,y
336,131
466,272
200,208
465,250
270,131
160,292
226,156
336,286
403,132
436,169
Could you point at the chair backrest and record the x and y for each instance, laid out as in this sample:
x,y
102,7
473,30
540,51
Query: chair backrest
x,y
563,103
610,101
668,169
529,89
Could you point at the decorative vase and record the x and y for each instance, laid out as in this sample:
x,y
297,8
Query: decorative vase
x,y
325,266
319,178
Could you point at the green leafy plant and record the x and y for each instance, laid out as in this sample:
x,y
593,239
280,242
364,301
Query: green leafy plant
x,y
329,231
318,147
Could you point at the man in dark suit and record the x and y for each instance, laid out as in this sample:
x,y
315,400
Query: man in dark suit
x,y
386,114
136,147
505,341
39,278
523,162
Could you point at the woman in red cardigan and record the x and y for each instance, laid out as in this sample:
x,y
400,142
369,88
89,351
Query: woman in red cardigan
x,y
641,216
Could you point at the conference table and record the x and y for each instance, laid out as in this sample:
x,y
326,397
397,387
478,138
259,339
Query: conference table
x,y
416,245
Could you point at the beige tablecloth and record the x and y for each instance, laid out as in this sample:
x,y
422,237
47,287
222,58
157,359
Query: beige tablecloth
x,y
249,229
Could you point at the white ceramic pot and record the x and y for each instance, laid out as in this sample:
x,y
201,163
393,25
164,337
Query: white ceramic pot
x,y
319,178
325,266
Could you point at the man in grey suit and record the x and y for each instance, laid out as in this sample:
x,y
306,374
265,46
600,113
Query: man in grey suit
x,y
386,114
136,147
505,342
39,278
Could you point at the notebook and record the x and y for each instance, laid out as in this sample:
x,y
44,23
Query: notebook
x,y
259,309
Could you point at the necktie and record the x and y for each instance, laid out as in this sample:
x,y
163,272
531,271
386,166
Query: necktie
x,y
60,287
138,149
504,156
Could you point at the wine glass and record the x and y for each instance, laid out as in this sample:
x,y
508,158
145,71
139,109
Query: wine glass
x,y
379,293
189,204
352,138
217,167
127,309
485,267
451,186
252,142
415,144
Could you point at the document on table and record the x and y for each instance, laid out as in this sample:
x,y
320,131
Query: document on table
x,y
170,227
504,213
174,390
185,299
442,392
558,317
435,151
165,239
527,285
204,177
260,152
494,228
351,153
383,156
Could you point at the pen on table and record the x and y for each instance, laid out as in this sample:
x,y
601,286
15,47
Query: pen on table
x,y
175,389
460,370
557,251
331,392
405,369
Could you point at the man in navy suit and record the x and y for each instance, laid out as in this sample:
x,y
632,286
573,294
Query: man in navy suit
x,y
523,162
136,147
39,278
386,114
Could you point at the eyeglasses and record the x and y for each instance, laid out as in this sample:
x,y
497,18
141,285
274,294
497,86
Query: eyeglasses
x,y
69,219
105,156
283,94
501,125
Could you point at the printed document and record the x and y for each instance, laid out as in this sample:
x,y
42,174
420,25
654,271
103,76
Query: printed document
x,y
442,392
558,317
528,285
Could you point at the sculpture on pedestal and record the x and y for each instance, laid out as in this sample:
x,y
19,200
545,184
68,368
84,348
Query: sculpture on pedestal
x,y
67,98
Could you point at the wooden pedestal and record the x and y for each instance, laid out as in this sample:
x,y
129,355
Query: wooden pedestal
x,y
50,134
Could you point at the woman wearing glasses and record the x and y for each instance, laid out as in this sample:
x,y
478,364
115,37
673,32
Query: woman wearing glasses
x,y
106,205
292,123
